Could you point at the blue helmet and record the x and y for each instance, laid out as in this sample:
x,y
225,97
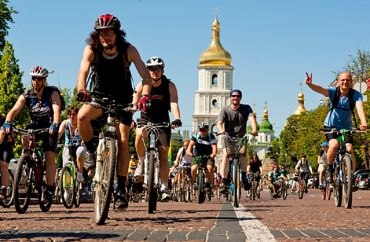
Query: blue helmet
x,y
324,144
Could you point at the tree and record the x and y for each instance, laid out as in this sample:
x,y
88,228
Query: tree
x,y
5,18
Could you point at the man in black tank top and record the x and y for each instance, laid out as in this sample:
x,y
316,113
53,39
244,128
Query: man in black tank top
x,y
108,56
167,100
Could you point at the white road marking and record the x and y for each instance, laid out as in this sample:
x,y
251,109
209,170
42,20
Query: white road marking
x,y
253,229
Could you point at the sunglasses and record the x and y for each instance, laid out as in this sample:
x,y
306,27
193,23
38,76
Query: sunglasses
x,y
238,96
36,78
154,68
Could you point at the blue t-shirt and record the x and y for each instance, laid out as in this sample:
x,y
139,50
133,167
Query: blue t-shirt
x,y
341,117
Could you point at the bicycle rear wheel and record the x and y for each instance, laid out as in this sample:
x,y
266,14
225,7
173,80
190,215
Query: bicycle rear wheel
x,y
347,181
152,191
237,185
104,184
8,200
23,184
66,185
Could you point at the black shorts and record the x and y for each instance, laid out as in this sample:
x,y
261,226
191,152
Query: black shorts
x,y
348,138
49,142
6,152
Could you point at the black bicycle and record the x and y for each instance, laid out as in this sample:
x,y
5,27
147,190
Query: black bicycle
x,y
30,173
342,176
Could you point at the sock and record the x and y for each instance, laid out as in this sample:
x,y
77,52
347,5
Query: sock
x,y
142,158
331,167
121,180
208,185
164,187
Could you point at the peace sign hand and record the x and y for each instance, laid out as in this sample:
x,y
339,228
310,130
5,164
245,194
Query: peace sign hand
x,y
308,80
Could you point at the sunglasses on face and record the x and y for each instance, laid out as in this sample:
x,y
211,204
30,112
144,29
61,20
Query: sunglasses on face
x,y
36,78
238,96
106,34
154,68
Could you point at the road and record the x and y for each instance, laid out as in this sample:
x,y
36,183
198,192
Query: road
x,y
309,219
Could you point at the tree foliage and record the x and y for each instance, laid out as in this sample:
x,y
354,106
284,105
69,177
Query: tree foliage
x,y
6,13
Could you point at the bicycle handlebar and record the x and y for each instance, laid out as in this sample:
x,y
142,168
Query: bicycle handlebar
x,y
30,131
341,131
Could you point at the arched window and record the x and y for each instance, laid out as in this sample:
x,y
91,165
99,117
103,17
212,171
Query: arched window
x,y
214,80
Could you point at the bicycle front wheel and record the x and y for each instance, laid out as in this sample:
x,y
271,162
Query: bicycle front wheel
x,y
23,184
8,200
337,193
237,185
152,191
347,181
66,184
104,184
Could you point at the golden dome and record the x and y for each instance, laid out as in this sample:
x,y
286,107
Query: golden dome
x,y
301,109
215,55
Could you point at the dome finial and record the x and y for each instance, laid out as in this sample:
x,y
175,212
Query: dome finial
x,y
301,109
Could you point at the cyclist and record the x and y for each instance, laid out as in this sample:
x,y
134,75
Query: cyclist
x,y
183,160
132,164
109,56
273,177
304,169
233,119
205,144
322,160
6,152
44,106
167,100
340,116
255,166
284,172
72,138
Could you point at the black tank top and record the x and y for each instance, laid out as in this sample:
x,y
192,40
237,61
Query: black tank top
x,y
112,78
159,108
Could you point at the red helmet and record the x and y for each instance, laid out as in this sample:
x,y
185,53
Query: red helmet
x,y
107,21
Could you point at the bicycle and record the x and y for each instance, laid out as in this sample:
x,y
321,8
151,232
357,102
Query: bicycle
x,y
70,187
342,176
235,148
30,173
254,191
200,182
187,184
7,202
106,157
327,188
151,162
302,186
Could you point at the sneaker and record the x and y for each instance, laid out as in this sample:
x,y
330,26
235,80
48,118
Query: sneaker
x,y
246,184
121,202
90,160
139,169
80,178
165,197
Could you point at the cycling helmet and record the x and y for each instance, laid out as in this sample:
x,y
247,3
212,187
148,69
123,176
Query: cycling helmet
x,y
155,61
39,71
203,125
324,144
107,21
235,90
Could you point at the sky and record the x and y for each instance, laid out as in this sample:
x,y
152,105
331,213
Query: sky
x,y
272,43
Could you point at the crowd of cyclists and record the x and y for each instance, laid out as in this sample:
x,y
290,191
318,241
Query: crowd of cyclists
x,y
106,65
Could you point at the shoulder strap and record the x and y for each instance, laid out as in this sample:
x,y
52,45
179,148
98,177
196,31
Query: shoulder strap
x,y
350,99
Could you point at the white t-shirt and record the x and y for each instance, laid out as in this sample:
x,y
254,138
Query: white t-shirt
x,y
185,159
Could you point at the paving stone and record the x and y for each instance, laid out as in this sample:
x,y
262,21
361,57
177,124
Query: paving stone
x,y
277,234
333,233
158,236
366,231
352,233
293,233
177,236
314,233
197,235
139,235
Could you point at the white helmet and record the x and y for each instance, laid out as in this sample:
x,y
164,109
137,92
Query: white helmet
x,y
39,71
203,125
155,61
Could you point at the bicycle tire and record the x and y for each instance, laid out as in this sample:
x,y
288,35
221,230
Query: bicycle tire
x,y
152,191
200,184
347,181
44,203
337,193
253,192
78,194
66,184
104,188
236,178
328,192
284,192
23,184
7,202
301,188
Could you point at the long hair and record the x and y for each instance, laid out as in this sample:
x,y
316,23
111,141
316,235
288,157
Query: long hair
x,y
121,42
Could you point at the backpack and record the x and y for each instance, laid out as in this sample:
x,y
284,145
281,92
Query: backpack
x,y
62,101
352,103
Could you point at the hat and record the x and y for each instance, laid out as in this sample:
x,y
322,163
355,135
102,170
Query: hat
x,y
324,144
